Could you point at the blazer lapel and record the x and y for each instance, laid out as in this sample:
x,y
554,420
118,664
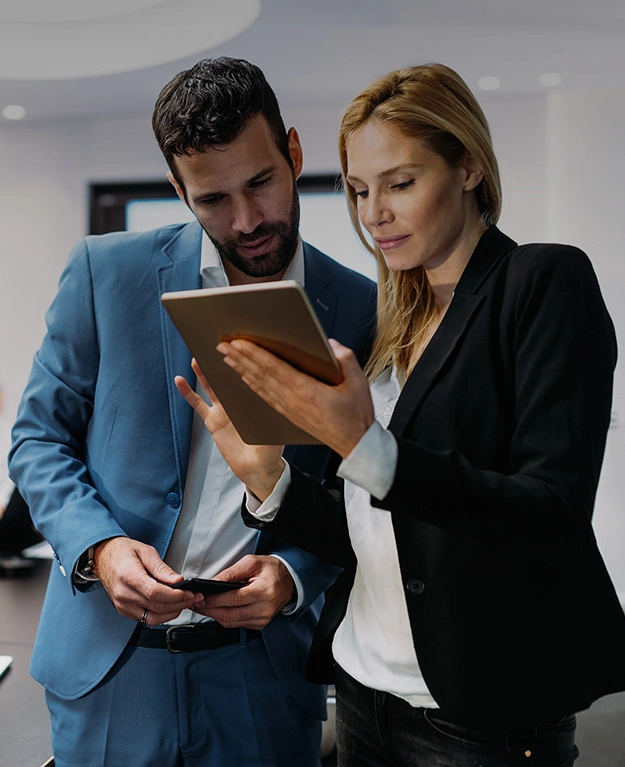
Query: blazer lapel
x,y
181,272
465,304
317,288
323,301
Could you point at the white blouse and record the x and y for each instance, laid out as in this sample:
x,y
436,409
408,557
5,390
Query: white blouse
x,y
374,641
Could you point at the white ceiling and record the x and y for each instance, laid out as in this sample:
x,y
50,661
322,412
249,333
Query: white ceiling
x,y
321,52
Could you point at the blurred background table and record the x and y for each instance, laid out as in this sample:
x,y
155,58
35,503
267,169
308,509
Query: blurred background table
x,y
24,726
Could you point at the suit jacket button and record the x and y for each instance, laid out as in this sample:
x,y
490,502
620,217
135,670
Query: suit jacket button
x,y
173,499
415,586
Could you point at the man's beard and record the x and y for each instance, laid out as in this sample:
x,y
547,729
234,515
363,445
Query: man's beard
x,y
277,259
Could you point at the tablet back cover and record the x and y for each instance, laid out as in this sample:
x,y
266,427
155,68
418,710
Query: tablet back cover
x,y
275,315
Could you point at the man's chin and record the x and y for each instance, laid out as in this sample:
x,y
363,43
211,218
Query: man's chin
x,y
265,265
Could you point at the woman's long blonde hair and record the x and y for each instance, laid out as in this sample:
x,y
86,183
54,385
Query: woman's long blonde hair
x,y
432,103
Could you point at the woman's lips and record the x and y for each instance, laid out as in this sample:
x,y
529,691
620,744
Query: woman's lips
x,y
388,243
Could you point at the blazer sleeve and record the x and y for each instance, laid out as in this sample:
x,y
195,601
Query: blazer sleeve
x,y
47,459
556,341
311,517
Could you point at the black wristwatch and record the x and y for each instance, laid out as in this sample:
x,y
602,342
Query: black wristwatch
x,y
86,564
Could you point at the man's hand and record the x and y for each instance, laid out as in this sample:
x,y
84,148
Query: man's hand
x,y
270,589
259,467
130,572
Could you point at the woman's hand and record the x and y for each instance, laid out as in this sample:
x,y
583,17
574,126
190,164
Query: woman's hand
x,y
336,415
258,466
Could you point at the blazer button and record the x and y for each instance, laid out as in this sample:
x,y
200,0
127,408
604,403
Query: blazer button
x,y
173,499
415,586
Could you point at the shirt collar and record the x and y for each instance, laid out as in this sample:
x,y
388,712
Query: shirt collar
x,y
214,275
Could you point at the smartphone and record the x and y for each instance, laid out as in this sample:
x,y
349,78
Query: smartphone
x,y
204,586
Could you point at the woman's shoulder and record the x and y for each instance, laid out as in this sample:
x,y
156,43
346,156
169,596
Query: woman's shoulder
x,y
547,254
535,261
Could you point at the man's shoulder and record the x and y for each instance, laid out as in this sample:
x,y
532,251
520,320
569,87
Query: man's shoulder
x,y
336,271
154,240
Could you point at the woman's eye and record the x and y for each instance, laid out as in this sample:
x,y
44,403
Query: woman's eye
x,y
362,193
403,184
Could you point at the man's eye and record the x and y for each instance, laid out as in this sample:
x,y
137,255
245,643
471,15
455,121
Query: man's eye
x,y
211,200
260,182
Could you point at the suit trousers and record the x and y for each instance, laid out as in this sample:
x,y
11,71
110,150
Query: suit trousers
x,y
377,729
223,707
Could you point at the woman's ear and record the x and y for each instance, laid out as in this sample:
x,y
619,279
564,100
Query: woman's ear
x,y
473,171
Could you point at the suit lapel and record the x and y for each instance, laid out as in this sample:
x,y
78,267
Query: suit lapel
x,y
181,272
323,301
465,304
317,288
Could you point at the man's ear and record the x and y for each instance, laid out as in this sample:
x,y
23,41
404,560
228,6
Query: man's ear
x,y
179,190
474,172
295,151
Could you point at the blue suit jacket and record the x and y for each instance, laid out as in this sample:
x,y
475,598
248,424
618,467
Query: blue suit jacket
x,y
102,439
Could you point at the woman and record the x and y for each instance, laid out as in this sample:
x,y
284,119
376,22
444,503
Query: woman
x,y
475,615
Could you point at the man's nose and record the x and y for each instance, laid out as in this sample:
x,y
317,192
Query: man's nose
x,y
246,215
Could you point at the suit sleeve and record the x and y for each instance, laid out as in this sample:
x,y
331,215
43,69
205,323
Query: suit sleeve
x,y
47,460
562,351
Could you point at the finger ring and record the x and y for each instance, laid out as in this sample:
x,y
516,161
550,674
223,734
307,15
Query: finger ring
x,y
144,616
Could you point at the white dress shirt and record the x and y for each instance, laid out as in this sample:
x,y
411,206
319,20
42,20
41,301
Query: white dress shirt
x,y
210,534
373,643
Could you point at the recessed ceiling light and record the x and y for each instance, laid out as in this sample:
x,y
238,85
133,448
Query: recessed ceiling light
x,y
13,112
489,83
91,38
550,79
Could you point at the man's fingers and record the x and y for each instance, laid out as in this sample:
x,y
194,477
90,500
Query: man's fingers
x,y
204,381
194,399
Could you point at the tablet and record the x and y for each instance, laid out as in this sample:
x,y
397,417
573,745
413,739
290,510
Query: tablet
x,y
275,315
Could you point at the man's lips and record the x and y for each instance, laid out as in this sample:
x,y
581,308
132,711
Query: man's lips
x,y
388,243
258,247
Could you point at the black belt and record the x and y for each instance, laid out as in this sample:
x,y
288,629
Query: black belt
x,y
190,637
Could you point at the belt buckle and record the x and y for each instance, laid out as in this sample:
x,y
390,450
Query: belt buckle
x,y
170,638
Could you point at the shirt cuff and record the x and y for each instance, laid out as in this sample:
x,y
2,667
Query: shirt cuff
x,y
294,605
267,510
373,462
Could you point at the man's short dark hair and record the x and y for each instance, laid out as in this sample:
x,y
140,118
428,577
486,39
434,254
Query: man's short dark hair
x,y
210,105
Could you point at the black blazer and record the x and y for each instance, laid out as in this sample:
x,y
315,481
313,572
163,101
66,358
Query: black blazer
x,y
501,431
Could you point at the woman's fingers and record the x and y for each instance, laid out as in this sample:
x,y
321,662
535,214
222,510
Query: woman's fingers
x,y
267,375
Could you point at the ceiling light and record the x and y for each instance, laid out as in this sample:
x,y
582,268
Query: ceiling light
x,y
550,79
13,112
89,38
489,83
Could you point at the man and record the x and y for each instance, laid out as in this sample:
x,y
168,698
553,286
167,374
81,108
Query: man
x,y
131,493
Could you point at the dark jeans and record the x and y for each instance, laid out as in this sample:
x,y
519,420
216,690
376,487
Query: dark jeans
x,y
377,729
